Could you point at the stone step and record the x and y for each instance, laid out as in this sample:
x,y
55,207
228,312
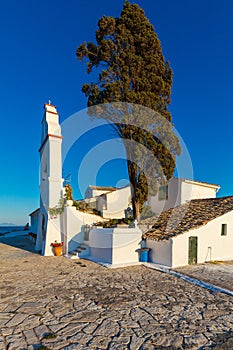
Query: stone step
x,y
79,250
72,256
74,252
84,252
83,245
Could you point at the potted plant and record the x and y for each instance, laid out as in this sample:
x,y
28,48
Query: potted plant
x,y
68,195
58,210
57,248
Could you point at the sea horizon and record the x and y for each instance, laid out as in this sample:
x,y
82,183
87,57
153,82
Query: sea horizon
x,y
9,229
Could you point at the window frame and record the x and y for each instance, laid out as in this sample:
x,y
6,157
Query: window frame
x,y
224,230
165,193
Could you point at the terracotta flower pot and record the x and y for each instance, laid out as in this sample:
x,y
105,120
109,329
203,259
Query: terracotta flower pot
x,y
57,251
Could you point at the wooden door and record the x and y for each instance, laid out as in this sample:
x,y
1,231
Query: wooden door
x,y
192,250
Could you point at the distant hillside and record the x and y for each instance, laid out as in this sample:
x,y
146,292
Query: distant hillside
x,y
7,224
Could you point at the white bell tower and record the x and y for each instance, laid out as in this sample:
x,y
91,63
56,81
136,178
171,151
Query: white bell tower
x,y
50,179
50,158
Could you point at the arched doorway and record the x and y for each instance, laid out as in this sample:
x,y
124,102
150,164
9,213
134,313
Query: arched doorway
x,y
43,227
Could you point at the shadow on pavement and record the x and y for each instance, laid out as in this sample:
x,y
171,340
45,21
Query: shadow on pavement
x,y
20,241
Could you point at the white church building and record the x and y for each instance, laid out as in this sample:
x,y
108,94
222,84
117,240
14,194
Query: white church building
x,y
65,223
169,245
114,202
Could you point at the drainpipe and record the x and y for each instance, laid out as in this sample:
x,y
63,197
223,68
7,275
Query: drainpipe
x,y
210,253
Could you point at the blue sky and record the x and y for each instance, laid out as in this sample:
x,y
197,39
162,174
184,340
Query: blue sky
x,y
37,63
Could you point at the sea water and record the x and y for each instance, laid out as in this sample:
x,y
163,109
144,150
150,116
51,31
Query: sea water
x,y
8,229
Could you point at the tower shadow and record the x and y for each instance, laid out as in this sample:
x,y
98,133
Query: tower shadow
x,y
22,242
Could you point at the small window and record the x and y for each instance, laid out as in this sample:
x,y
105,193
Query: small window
x,y
224,230
163,193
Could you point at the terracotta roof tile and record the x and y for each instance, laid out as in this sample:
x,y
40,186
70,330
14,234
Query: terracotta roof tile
x,y
103,188
201,182
196,213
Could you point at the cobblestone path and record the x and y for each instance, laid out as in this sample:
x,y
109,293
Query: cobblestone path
x,y
57,303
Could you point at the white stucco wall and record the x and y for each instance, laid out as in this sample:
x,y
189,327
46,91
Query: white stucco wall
x,y
51,159
125,244
181,191
115,245
68,228
211,245
50,122
34,221
75,221
50,180
100,243
174,197
193,190
161,252
117,202
93,192
38,246
54,231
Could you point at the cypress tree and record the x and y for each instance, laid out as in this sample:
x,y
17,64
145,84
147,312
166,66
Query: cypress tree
x,y
132,69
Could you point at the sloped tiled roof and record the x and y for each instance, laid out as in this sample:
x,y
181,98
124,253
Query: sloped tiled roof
x,y
201,183
103,188
196,213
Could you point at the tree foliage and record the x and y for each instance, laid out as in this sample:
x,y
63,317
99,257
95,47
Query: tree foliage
x,y
132,69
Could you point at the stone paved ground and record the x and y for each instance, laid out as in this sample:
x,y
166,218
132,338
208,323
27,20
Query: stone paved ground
x,y
57,303
219,273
